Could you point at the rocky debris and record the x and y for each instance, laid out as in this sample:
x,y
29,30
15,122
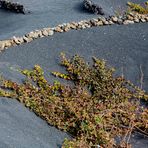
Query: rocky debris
x,y
114,19
65,27
18,40
126,22
14,7
58,29
2,45
27,39
91,7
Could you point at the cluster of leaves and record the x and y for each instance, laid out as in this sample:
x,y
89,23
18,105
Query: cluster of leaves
x,y
138,8
95,109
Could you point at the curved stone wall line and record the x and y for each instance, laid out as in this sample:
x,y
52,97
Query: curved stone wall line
x,y
131,18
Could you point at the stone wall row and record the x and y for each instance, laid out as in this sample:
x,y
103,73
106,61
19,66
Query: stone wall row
x,y
131,18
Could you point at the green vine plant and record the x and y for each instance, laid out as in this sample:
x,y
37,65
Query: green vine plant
x,y
142,9
96,109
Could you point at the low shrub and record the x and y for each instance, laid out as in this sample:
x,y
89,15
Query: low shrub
x,y
138,8
95,109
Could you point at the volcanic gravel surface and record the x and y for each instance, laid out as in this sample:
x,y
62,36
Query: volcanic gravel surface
x,y
124,47
44,13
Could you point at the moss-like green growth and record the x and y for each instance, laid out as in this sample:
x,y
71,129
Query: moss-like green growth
x,y
97,108
138,8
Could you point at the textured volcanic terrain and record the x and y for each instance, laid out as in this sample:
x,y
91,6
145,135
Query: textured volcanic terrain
x,y
50,13
125,47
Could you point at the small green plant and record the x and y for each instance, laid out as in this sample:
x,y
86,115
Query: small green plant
x,y
138,8
95,109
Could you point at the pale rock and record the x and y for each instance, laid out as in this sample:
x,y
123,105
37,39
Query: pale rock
x,y
18,40
136,20
58,29
105,22
2,45
27,39
128,22
66,28
8,43
45,32
110,22
32,35
129,17
99,23
114,19
142,20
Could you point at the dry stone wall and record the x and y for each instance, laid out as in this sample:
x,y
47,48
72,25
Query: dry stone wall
x,y
131,18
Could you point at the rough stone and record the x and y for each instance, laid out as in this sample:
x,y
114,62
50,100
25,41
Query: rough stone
x,y
45,32
18,40
128,22
142,20
110,22
72,26
105,22
146,18
99,23
2,45
14,7
27,39
114,19
136,20
90,6
66,28
129,17
39,33
50,32
32,35
93,22
58,29
8,43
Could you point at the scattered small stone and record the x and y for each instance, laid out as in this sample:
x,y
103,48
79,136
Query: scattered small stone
x,y
114,19
32,35
142,20
2,45
120,21
45,32
50,32
129,17
18,40
146,18
93,22
128,22
105,22
111,22
8,43
58,29
136,20
26,39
